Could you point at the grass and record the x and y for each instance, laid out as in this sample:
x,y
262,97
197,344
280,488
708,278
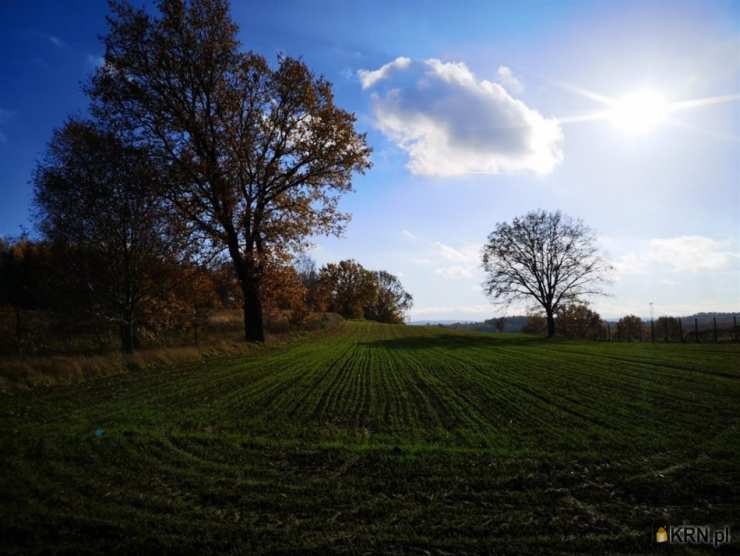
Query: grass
x,y
377,438
58,359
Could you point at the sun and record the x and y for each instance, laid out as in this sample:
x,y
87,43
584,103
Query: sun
x,y
639,112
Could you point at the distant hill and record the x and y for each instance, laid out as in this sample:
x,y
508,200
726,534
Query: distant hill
x,y
511,324
712,315
517,323
432,322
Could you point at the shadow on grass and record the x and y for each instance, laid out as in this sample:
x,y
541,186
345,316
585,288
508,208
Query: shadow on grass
x,y
457,341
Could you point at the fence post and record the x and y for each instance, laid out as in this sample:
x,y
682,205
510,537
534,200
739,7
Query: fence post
x,y
665,330
652,330
714,319
734,325
680,330
696,329
608,332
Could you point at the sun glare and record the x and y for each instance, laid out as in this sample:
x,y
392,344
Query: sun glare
x,y
639,112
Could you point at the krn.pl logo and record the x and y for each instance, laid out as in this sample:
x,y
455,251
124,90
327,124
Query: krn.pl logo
x,y
661,535
693,534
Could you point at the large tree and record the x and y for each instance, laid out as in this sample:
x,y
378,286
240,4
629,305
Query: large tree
x,y
98,198
258,155
545,257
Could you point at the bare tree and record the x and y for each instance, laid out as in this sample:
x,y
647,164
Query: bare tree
x,y
546,257
308,273
258,156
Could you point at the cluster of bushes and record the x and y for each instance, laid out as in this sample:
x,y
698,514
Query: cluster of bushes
x,y
578,321
349,289
573,321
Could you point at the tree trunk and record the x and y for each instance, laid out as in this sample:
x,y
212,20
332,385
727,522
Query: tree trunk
x,y
128,334
249,279
550,325
254,330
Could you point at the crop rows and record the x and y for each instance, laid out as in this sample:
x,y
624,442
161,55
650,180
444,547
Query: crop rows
x,y
385,438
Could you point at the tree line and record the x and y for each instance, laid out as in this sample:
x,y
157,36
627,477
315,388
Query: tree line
x,y
93,287
200,165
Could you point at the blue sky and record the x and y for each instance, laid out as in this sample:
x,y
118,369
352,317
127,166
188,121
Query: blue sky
x,y
484,111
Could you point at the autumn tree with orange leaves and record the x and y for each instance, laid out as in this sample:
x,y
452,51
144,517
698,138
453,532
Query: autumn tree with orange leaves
x,y
257,157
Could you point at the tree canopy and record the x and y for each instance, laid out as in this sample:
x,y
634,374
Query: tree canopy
x,y
544,257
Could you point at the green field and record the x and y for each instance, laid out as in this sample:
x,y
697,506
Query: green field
x,y
382,439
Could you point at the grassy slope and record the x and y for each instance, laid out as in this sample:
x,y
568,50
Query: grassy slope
x,y
381,438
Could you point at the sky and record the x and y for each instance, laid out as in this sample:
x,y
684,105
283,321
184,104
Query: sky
x,y
477,112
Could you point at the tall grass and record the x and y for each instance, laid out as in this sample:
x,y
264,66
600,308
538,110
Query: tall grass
x,y
76,361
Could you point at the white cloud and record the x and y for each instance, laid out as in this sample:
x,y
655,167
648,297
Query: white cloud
x,y
56,41
468,253
369,77
679,254
448,252
692,253
408,235
508,80
451,123
466,259
454,272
